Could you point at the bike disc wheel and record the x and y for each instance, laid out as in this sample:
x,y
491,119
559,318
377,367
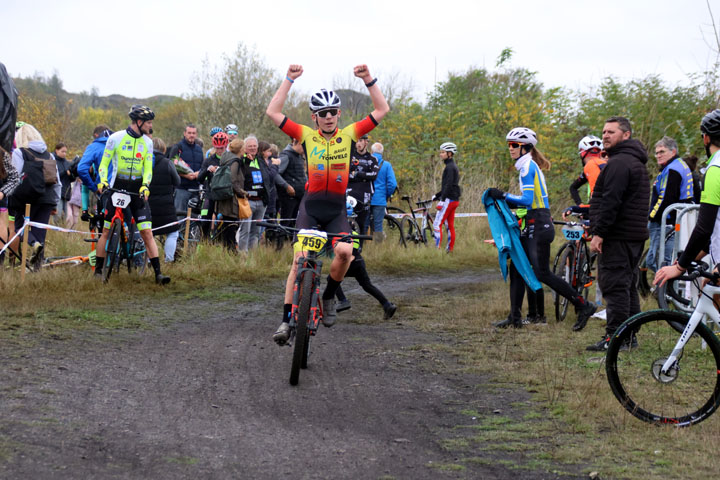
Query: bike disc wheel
x,y
112,249
686,395
393,230
564,268
301,328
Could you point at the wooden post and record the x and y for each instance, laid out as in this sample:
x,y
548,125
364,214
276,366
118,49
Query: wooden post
x,y
187,232
24,247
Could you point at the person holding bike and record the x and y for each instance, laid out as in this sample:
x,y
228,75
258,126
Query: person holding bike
x,y
130,152
537,232
449,197
705,237
328,150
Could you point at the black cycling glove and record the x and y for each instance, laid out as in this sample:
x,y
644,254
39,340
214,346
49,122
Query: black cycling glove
x,y
496,194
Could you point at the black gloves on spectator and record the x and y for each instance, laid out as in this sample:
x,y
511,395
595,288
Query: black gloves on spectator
x,y
496,193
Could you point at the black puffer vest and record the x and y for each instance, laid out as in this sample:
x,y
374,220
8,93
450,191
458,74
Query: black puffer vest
x,y
161,201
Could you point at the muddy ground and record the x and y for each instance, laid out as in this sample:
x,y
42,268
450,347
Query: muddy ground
x,y
204,393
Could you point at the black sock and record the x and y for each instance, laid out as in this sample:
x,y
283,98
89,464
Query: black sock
x,y
287,311
330,289
155,262
99,262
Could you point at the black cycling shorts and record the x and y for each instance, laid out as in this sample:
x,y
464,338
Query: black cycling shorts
x,y
139,209
330,222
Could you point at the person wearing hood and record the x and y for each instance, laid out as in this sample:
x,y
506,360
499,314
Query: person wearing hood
x,y
32,148
165,180
618,221
537,233
90,163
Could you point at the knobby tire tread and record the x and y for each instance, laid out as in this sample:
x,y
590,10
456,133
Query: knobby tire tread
x,y
112,249
301,327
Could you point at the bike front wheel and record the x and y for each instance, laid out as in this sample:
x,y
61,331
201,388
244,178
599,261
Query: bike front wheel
x,y
564,267
393,231
410,232
112,249
302,319
688,394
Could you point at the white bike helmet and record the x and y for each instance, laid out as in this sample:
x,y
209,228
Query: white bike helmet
x,y
231,127
522,135
449,147
324,99
589,142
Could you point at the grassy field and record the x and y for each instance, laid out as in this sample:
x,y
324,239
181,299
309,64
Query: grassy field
x,y
574,418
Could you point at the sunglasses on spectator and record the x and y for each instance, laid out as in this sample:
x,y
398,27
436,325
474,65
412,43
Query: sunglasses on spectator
x,y
514,144
324,113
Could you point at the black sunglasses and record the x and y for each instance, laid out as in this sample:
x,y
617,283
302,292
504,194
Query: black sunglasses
x,y
324,113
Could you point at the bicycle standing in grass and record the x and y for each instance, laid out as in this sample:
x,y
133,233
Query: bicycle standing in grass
x,y
538,231
130,153
448,196
327,152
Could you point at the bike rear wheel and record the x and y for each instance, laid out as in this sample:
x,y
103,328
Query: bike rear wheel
x,y
302,318
138,259
393,231
564,267
688,394
194,237
112,249
410,231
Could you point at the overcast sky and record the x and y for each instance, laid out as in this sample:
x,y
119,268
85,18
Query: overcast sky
x,y
149,47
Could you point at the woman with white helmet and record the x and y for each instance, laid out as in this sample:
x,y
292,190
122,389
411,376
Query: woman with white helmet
x,y
449,197
538,231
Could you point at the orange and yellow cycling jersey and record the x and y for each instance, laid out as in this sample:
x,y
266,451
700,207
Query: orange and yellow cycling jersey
x,y
328,160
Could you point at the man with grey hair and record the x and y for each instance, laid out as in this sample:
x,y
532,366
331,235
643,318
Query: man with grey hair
x,y
618,222
674,184
257,185
385,185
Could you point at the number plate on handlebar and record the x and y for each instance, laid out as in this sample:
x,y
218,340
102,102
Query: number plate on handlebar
x,y
312,240
120,200
574,232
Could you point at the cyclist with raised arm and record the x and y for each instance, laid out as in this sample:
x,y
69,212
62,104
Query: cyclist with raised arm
x,y
130,152
705,236
327,152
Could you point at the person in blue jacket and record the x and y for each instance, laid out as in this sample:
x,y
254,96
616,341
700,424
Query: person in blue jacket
x,y
538,230
90,163
385,185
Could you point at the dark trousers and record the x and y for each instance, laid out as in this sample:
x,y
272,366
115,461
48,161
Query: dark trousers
x,y
536,239
288,208
357,269
618,279
38,213
518,287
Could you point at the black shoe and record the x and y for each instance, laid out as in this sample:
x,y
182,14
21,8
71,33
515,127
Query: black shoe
x,y
161,279
508,322
630,343
389,310
342,306
36,250
536,319
600,346
583,314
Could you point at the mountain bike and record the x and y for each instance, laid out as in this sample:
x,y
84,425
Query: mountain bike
x,y
306,304
414,231
663,366
124,242
573,263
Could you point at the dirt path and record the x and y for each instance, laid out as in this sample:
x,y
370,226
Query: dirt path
x,y
207,396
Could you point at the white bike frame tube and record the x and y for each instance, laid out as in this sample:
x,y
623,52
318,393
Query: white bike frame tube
x,y
704,307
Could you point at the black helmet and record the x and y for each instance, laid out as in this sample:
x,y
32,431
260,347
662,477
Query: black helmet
x,y
140,112
710,124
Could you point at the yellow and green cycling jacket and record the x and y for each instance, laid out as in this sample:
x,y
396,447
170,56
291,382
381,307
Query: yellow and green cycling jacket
x,y
132,161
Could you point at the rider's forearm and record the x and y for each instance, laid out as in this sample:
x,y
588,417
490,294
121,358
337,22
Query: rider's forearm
x,y
274,109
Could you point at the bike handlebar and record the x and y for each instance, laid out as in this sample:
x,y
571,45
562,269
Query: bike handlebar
x,y
277,226
699,269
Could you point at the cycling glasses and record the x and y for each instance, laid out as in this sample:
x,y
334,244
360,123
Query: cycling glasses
x,y
324,113
514,144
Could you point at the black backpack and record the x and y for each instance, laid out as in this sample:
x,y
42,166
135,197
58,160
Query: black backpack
x,y
32,183
221,187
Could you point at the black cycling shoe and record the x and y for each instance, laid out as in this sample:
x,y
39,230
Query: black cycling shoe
x,y
389,310
583,314
161,279
600,346
508,322
343,305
